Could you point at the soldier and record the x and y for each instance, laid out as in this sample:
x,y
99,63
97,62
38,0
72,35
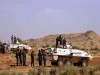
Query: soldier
x,y
20,57
40,58
12,39
58,39
64,43
15,40
24,56
32,58
44,58
17,56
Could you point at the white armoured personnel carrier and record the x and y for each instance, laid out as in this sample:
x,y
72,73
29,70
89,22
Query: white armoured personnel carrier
x,y
14,46
62,56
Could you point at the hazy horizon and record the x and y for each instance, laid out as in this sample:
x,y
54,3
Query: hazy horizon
x,y
37,18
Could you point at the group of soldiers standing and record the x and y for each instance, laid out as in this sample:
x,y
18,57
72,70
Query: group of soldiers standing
x,y
13,39
61,41
42,57
21,57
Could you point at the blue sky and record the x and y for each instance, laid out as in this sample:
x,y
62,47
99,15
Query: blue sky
x,y
37,18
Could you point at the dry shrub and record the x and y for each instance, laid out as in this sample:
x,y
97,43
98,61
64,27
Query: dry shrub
x,y
32,72
69,70
95,70
4,67
42,71
53,71
19,73
10,73
84,71
96,73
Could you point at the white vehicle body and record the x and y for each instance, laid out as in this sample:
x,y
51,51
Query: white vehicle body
x,y
14,46
67,52
75,56
18,44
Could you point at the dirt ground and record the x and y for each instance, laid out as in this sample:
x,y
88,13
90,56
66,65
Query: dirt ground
x,y
95,61
8,62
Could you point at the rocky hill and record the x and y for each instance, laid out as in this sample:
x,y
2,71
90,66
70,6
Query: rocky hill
x,y
87,40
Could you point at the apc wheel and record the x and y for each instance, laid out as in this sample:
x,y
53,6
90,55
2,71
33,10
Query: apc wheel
x,y
68,62
53,63
84,63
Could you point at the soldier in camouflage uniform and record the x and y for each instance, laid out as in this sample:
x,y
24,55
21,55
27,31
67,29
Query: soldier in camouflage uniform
x,y
64,43
24,56
58,39
20,57
17,56
32,58
44,58
40,58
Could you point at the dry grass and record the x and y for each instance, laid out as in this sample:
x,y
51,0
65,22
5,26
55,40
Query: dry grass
x,y
66,70
9,59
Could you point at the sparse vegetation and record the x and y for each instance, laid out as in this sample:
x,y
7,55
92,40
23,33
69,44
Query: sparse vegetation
x,y
32,72
10,73
43,46
42,71
66,70
95,49
53,45
62,70
75,47
55,70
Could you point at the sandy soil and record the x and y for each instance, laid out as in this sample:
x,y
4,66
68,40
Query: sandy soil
x,y
8,62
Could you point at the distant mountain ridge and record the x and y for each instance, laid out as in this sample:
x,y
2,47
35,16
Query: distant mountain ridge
x,y
87,40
